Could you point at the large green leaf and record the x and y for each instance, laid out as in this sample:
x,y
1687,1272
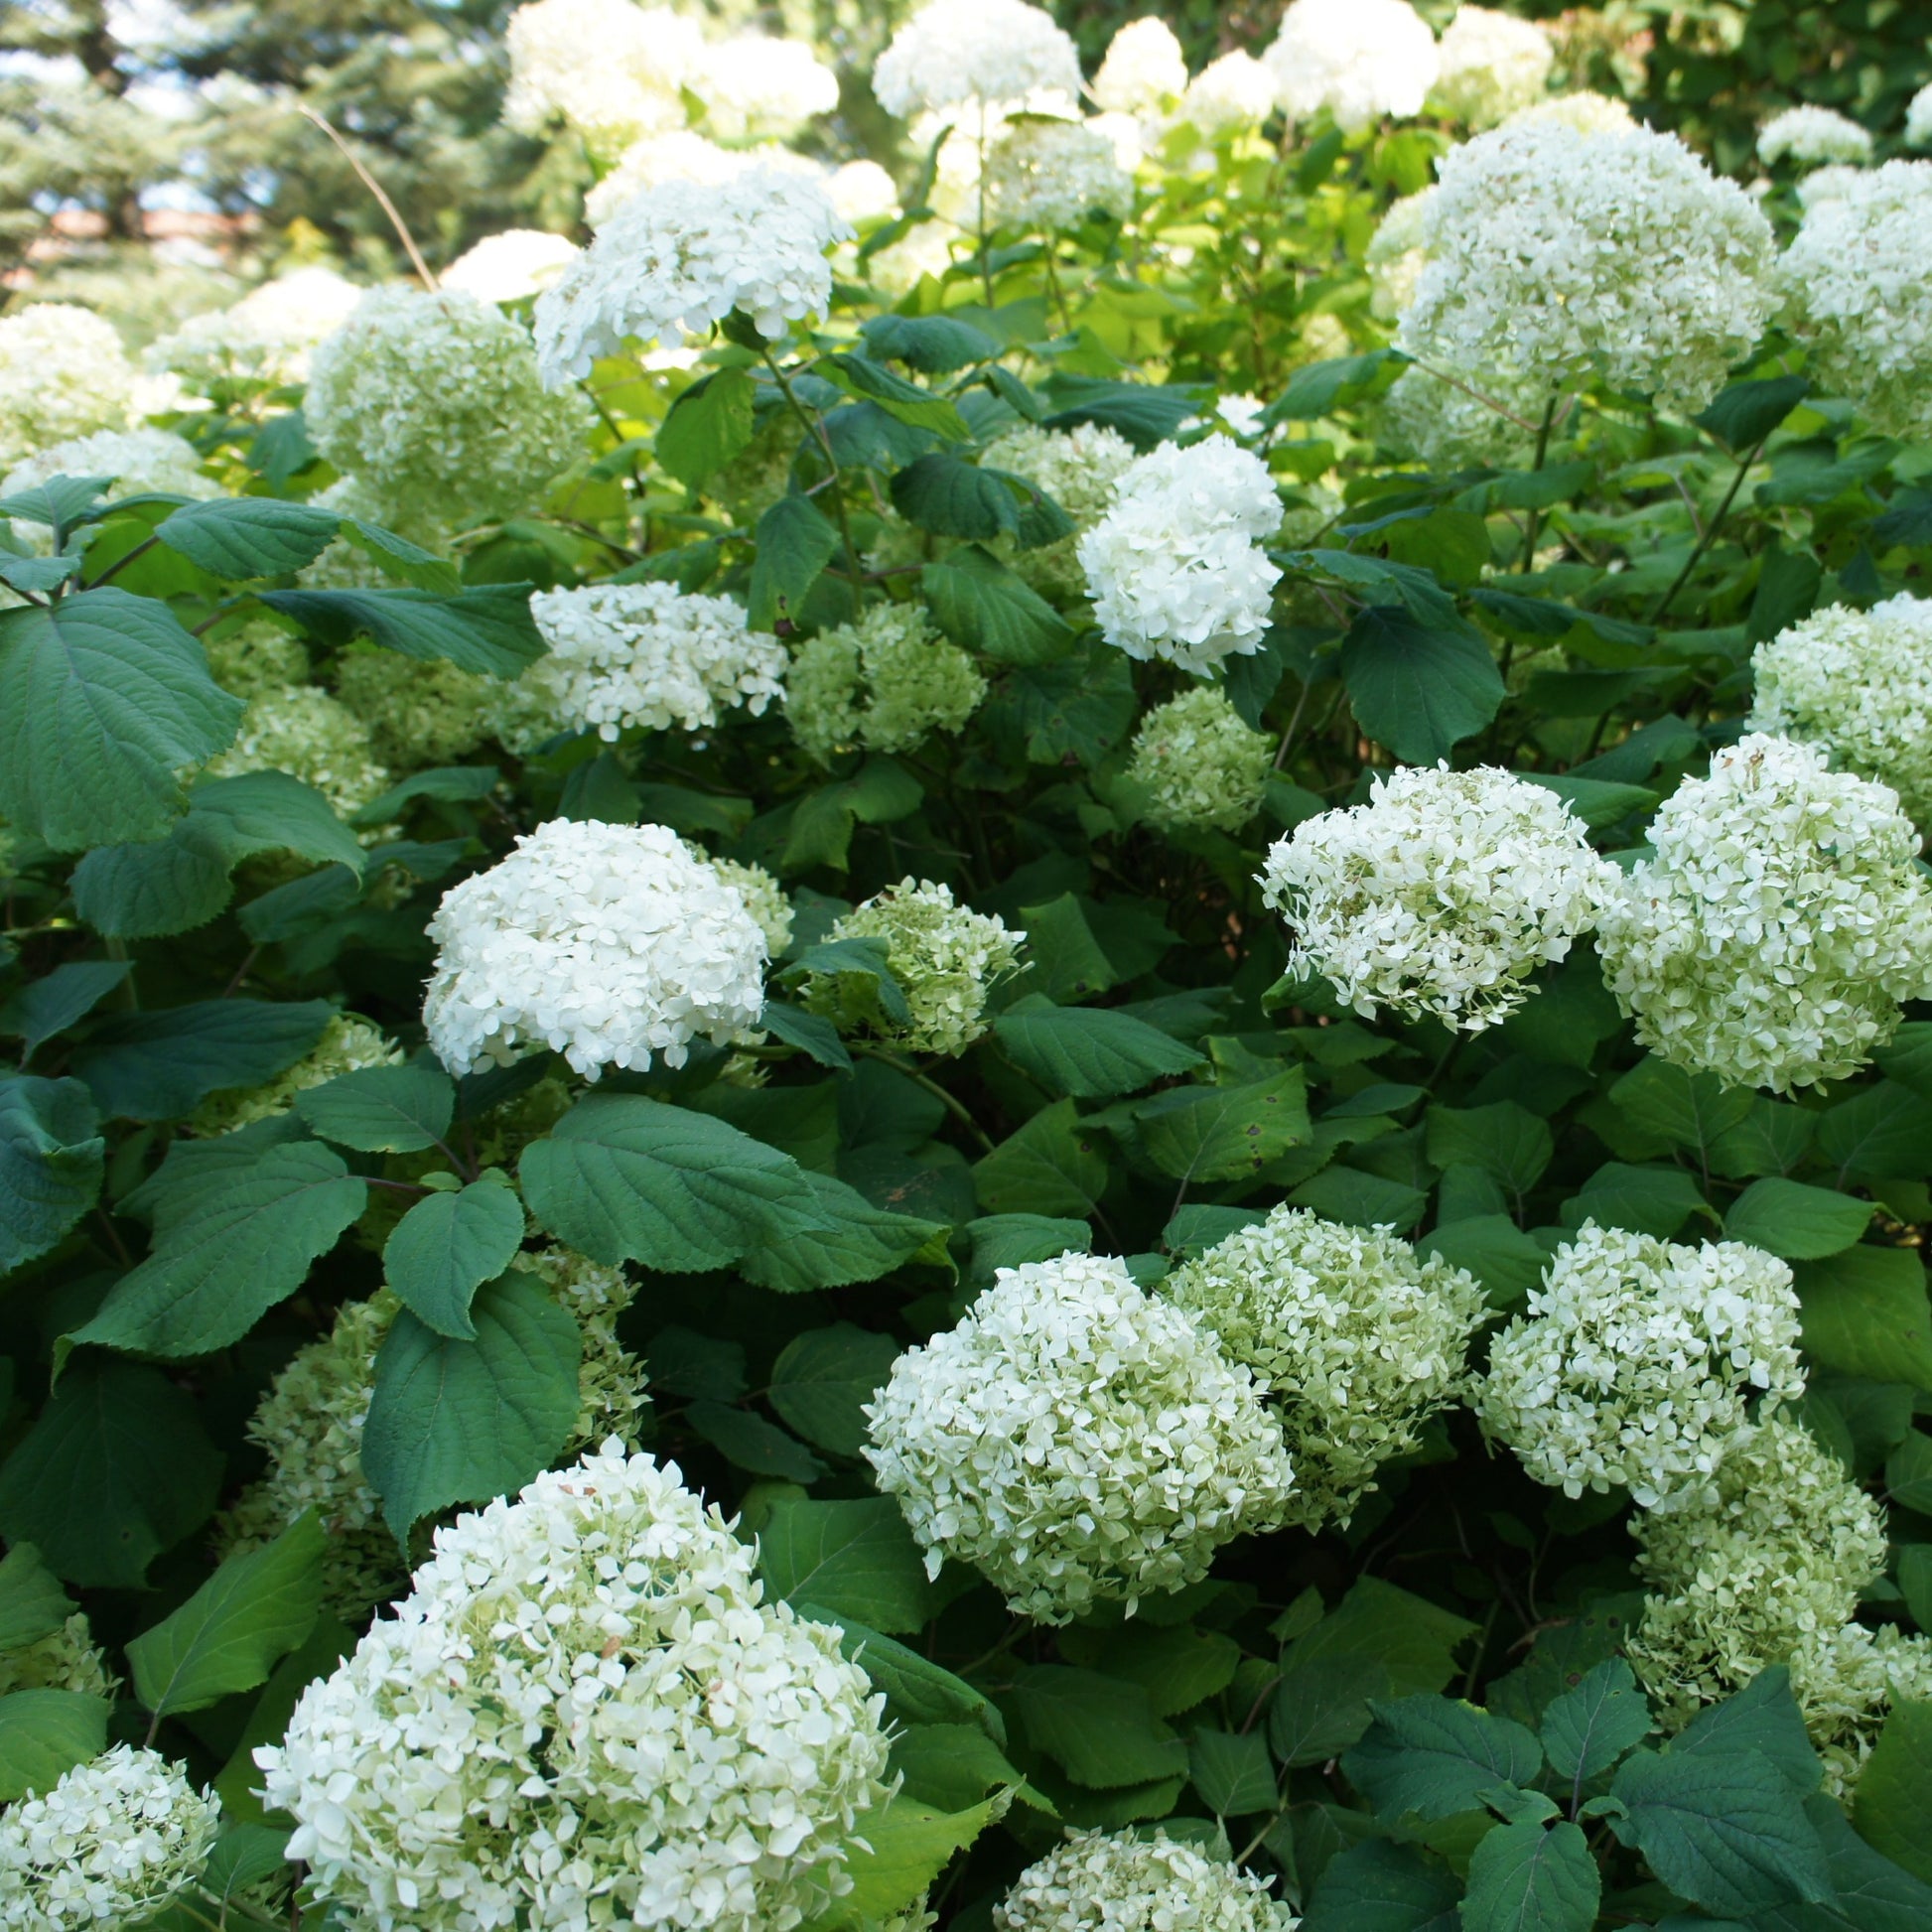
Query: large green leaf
x,y
1893,1807
933,344
1785,1217
1376,1886
1202,1134
1088,1050
1689,1110
984,607
448,1245
1418,687
1232,1771
463,1421
830,1234
709,425
44,1733
1589,1728
1080,706
230,1633
1524,1877
871,381
239,537
32,1602
1434,1757
104,698
487,629
381,1109
52,1158
851,1557
903,1848
158,1063
796,541
51,1003
823,1378
1102,1733
916,1690
1866,1315
1048,1167
116,1469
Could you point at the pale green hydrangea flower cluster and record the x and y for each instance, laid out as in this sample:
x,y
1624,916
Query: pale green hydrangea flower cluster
x,y
301,730
256,659
765,899
1048,174
1123,1881
1637,1363
265,338
349,1044
584,1713
1358,1338
66,1659
108,1845
1477,422
62,375
1857,684
1076,1440
434,401
1490,65
1441,895
1077,468
1396,254
1778,924
1848,1684
945,957
1201,766
887,681
420,716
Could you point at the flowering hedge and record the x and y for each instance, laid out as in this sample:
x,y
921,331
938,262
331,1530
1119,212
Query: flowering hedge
x,y
1045,1049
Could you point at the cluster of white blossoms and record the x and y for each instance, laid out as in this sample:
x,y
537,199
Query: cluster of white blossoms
x,y
136,460
1491,65
610,944
1358,1338
1584,111
1396,253
1637,1360
349,1044
1461,422
1052,174
683,256
62,375
648,655
1441,895
1228,97
1361,59
764,899
1144,72
434,401
1175,567
956,54
1123,1881
1201,764
755,87
1778,923
1078,469
1554,256
584,1713
887,681
510,267
108,1845
66,1659
1848,1684
945,957
1812,136
610,70
684,155
267,336
1858,297
1076,1440
303,730
1857,684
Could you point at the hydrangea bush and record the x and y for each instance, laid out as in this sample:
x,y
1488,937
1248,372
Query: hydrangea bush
x,y
1031,1032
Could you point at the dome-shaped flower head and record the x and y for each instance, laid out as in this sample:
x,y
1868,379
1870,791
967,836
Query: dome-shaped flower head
x,y
510,267
585,1706
1052,174
1586,112
683,256
434,401
1554,256
1228,97
1075,1441
266,337
1637,1361
1441,895
1122,1881
608,943
1200,766
980,54
1359,59
609,69
63,373
1812,136
1779,923
1492,65
887,681
1144,72
755,87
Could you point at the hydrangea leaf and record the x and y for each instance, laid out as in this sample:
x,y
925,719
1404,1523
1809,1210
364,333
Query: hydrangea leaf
x,y
1418,688
448,1245
381,1109
159,1064
1102,1733
1432,1756
1088,1051
239,537
45,1732
32,1602
1377,1886
1587,1729
1801,1223
1526,1878
823,1378
853,1558
52,1159
487,629
709,426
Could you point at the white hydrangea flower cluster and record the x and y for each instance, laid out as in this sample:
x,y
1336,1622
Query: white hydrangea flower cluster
x,y
349,1044
1636,1361
138,461
684,155
1858,295
1441,895
434,401
1492,65
267,336
764,899
1396,253
510,267
1454,424
755,87
1123,1881
419,715
584,1713
609,69
1918,120
1201,766
888,682
1078,469
1051,175
1358,1338
1554,254
1812,136
1175,567
954,53
62,375
610,944
1585,111
108,1845
1823,183
1144,71
649,656
683,256
1076,1440
1363,60
1230,95
945,957
66,1659
1778,924
1848,1683
1857,684
303,730
310,1425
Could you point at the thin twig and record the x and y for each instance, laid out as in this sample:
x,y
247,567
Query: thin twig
x,y
375,187
1705,542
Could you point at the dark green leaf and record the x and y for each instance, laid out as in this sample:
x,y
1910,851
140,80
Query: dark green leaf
x,y
1434,1757
1587,1729
811,1032
709,426
1880,1133
448,1245
1088,1050
1320,387
32,1602
796,541
1525,1877
1048,1167
51,1003
1649,1200
1417,688
822,1379
933,344
854,1559
156,1065
52,1158
872,381
917,1691
1866,1315
1201,1134
1102,1733
1232,1771
1067,962
827,1235
1746,413
983,607
487,629
1893,1807
1078,708
44,1733
1493,1247
1376,1886
241,537
747,1442
1785,1217
1144,413
381,1109
953,498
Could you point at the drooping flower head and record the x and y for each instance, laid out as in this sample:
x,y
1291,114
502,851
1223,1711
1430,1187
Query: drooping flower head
x,y
610,944
1076,1440
683,256
1359,1340
62,375
886,681
1779,923
1492,65
609,69
1361,59
1441,895
954,53
1810,136
1123,1881
584,1708
1637,1361
1199,763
